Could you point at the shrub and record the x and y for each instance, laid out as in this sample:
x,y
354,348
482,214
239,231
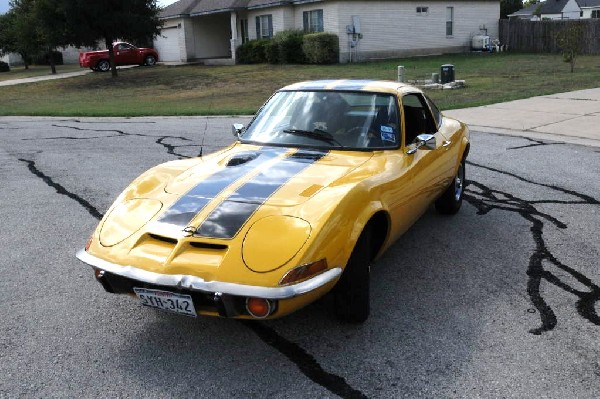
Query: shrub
x,y
321,48
253,52
44,58
272,52
288,47
4,67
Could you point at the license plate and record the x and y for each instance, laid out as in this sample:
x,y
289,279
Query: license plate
x,y
165,300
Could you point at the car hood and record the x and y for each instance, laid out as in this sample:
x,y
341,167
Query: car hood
x,y
217,195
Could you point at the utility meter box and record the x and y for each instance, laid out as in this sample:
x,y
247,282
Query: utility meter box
x,y
447,73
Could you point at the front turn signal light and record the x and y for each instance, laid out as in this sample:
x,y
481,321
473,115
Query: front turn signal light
x,y
88,243
259,308
303,272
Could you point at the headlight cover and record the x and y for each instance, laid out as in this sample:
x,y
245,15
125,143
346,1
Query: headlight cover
x,y
127,218
273,241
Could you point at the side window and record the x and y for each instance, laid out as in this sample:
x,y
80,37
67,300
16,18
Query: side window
x,y
264,26
312,21
417,118
449,21
437,115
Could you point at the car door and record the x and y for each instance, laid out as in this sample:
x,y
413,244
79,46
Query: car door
x,y
428,166
125,54
452,142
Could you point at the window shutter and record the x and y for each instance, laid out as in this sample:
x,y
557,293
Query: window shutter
x,y
320,19
305,21
270,25
258,27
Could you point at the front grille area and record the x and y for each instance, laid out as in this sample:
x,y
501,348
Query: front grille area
x,y
224,305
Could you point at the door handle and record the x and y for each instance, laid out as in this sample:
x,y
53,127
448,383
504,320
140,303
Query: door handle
x,y
446,143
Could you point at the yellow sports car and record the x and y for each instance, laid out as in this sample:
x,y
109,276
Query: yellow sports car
x,y
322,180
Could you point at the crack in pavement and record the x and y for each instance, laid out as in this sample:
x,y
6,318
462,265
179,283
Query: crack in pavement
x,y
111,122
171,148
486,199
120,133
537,143
60,189
304,361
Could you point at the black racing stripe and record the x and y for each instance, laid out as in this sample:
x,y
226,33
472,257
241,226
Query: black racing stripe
x,y
229,217
188,206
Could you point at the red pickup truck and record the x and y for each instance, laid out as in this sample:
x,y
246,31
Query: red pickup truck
x,y
125,54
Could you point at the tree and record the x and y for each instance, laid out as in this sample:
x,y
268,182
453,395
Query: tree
x,y
109,20
509,6
18,32
53,27
570,41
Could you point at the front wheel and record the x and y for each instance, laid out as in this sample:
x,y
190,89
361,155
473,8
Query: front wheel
x,y
351,293
150,60
103,66
449,203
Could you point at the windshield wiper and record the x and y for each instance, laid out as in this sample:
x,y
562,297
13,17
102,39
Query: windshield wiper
x,y
315,134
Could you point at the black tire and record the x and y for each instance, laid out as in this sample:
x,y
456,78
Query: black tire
x,y
351,293
150,60
103,66
449,203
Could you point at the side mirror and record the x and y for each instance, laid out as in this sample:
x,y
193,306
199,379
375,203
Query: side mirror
x,y
423,141
237,129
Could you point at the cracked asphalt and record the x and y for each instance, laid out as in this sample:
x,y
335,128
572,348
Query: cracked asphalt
x,y
500,300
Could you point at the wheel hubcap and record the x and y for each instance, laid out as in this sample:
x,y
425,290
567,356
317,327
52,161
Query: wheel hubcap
x,y
458,182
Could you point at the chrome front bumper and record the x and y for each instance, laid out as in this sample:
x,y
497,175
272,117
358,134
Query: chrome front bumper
x,y
198,284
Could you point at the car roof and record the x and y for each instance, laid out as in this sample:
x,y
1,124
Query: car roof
x,y
383,86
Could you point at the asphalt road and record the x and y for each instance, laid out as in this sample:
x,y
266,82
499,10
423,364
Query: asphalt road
x,y
501,300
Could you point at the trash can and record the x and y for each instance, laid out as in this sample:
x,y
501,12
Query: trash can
x,y
447,73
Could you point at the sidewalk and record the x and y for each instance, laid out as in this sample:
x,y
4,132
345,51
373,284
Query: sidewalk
x,y
13,82
572,117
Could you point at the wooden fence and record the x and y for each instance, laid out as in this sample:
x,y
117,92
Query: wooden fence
x,y
540,36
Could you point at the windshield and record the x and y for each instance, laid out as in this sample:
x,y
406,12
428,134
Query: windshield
x,y
331,119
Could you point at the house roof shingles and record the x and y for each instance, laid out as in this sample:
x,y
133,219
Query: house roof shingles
x,y
588,3
181,7
201,7
213,6
554,7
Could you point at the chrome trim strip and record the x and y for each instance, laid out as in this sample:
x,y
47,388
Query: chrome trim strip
x,y
198,284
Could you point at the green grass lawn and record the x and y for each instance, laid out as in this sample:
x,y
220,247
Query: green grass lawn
x,y
241,89
19,72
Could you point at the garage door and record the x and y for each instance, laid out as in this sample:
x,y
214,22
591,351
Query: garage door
x,y
167,44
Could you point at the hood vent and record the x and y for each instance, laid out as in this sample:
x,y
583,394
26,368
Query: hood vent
x,y
242,158
162,238
206,245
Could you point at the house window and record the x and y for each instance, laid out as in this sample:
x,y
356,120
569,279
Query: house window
x,y
264,26
595,13
449,21
244,30
313,21
422,10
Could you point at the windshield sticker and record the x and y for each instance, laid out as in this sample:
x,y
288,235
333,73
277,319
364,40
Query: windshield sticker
x,y
387,134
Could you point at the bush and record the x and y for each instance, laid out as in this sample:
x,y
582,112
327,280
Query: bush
x,y
4,67
287,48
253,52
272,52
321,48
44,58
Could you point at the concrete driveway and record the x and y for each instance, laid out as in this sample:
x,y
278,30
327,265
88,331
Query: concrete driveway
x,y
572,117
